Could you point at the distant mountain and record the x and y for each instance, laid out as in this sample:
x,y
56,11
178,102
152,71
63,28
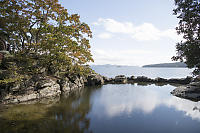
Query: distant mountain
x,y
110,65
177,64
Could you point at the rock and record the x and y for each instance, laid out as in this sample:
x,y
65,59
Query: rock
x,y
46,82
186,80
43,87
50,91
94,79
196,79
160,80
64,84
26,98
75,82
190,91
106,79
131,78
143,79
195,84
121,79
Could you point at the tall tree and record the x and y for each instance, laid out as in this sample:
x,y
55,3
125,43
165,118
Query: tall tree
x,y
188,50
46,29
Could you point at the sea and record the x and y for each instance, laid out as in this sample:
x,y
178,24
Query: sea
x,y
111,108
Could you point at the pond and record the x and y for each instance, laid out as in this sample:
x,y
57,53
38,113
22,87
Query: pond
x,y
112,108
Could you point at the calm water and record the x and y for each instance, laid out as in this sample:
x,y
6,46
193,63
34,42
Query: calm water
x,y
117,108
112,71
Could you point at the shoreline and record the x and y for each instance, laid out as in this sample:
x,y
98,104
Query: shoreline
x,y
47,87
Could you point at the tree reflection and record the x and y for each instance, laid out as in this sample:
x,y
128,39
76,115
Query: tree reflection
x,y
69,115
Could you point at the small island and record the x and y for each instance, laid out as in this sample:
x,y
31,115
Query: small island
x,y
171,65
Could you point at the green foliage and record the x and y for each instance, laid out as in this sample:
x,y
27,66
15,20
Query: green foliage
x,y
43,30
188,50
10,76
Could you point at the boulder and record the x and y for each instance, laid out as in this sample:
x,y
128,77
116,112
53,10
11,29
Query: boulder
x,y
160,80
196,79
121,79
186,80
143,79
73,83
131,78
190,91
94,79
107,80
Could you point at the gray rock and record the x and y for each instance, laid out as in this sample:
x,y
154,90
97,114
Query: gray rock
x,y
94,79
64,84
46,82
50,91
160,80
143,79
72,84
195,84
106,79
186,80
190,91
132,78
121,79
44,88
196,79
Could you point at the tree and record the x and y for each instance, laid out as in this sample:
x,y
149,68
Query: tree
x,y
45,30
188,50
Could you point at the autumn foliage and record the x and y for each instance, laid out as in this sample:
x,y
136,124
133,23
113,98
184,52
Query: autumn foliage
x,y
44,30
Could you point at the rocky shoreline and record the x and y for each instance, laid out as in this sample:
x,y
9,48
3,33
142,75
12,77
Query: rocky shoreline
x,y
47,87
190,91
50,84
123,79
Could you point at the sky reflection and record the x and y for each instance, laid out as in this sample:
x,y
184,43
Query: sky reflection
x,y
116,100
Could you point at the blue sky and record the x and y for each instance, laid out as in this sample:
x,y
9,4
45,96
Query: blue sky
x,y
129,32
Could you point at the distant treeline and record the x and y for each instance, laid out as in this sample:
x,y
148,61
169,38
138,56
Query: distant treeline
x,y
177,64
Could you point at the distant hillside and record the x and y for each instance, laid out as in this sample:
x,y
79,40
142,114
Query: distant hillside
x,y
177,64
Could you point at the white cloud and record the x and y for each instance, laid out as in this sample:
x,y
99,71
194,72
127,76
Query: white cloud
x,y
122,57
144,32
145,99
105,35
114,26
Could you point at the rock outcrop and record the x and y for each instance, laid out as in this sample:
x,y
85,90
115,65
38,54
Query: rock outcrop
x,y
38,82
123,79
190,91
120,79
94,79
40,87
44,87
50,83
68,84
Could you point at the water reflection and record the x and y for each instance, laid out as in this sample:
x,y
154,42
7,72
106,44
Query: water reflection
x,y
116,100
126,108
69,115
188,107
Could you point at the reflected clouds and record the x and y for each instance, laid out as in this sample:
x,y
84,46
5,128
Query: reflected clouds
x,y
115,100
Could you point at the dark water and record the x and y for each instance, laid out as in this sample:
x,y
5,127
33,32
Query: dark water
x,y
125,108
115,108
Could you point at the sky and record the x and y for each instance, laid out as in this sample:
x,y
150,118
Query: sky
x,y
129,32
